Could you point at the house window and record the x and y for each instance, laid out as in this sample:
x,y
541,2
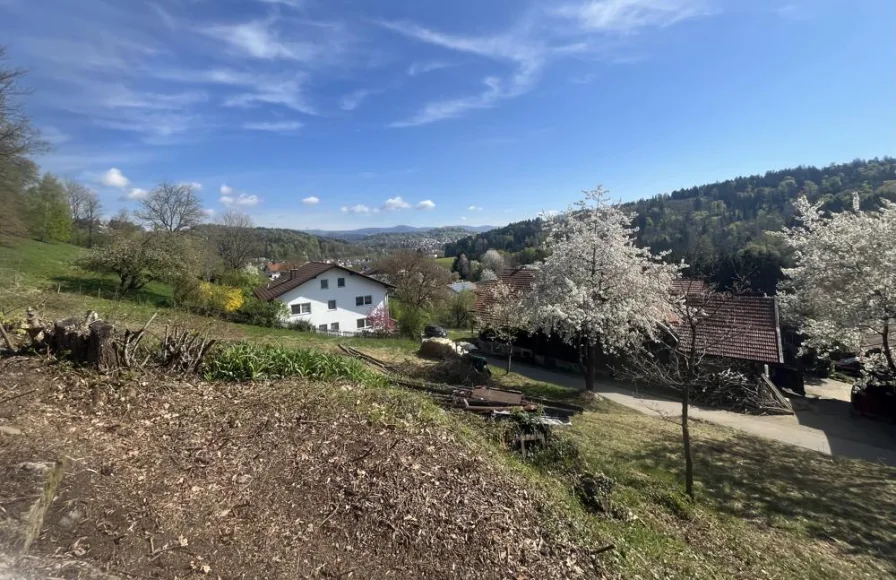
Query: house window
x,y
362,323
368,300
303,308
324,284
322,327
331,305
359,301
340,282
334,326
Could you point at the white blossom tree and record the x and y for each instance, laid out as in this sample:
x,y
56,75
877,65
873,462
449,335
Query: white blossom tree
x,y
597,290
843,287
506,314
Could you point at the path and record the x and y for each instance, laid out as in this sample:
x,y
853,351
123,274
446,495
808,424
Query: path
x,y
822,424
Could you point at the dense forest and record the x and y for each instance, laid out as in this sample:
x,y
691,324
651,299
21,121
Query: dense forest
x,y
721,229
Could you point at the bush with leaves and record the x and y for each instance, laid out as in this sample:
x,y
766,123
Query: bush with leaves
x,y
411,321
260,313
137,259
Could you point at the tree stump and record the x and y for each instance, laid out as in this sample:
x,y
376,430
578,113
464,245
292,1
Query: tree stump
x,y
102,350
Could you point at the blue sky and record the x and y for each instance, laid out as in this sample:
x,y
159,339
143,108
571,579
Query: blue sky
x,y
335,114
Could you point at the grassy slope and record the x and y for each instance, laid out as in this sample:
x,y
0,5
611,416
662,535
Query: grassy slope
x,y
764,510
445,262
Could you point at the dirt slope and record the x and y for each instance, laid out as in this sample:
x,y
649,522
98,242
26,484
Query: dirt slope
x,y
183,479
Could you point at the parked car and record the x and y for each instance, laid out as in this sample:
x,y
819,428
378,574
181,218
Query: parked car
x,y
433,331
877,399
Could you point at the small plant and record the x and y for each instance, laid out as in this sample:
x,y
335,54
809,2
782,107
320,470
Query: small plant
x,y
247,362
300,325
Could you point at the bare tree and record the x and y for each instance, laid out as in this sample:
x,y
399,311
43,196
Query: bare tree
x,y
85,207
504,314
171,207
419,280
237,242
18,137
700,325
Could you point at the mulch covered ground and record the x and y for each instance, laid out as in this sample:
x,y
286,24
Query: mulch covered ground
x,y
178,479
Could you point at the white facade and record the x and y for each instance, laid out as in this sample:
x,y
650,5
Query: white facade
x,y
312,302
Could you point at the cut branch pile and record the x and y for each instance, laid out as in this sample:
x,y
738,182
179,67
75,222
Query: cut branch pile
x,y
482,400
94,342
735,390
183,350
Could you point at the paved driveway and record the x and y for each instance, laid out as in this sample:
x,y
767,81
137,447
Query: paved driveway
x,y
822,423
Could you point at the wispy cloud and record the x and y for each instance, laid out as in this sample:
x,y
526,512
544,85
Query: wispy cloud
x,y
395,203
287,93
274,126
259,39
54,135
420,68
351,101
193,184
360,208
426,205
311,200
627,16
114,178
474,208
226,190
541,35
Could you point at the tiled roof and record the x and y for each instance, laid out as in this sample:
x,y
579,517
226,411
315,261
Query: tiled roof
x,y
298,276
278,266
519,279
741,327
689,286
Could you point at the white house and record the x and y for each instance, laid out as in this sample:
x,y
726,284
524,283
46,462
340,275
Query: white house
x,y
330,297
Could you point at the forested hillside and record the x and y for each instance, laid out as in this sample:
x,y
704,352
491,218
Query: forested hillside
x,y
720,228
281,244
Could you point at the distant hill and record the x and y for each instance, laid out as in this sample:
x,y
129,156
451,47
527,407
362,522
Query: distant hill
x,y
351,235
281,244
720,229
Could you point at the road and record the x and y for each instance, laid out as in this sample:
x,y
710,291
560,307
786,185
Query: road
x,y
821,423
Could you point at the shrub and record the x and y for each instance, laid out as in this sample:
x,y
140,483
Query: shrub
x,y
300,325
260,312
245,362
411,322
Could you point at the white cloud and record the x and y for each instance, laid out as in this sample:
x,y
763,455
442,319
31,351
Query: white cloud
x,y
241,200
226,189
135,194
355,209
194,184
351,101
259,39
114,178
474,208
312,200
420,68
463,218
426,204
274,126
209,212
395,203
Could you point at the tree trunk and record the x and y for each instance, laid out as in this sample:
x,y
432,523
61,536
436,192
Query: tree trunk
x,y
588,368
509,356
686,438
888,351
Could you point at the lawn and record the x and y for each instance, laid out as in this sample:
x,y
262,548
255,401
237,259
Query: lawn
x,y
764,510
446,262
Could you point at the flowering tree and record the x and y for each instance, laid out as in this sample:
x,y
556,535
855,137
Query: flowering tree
x,y
843,287
380,321
597,290
505,314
